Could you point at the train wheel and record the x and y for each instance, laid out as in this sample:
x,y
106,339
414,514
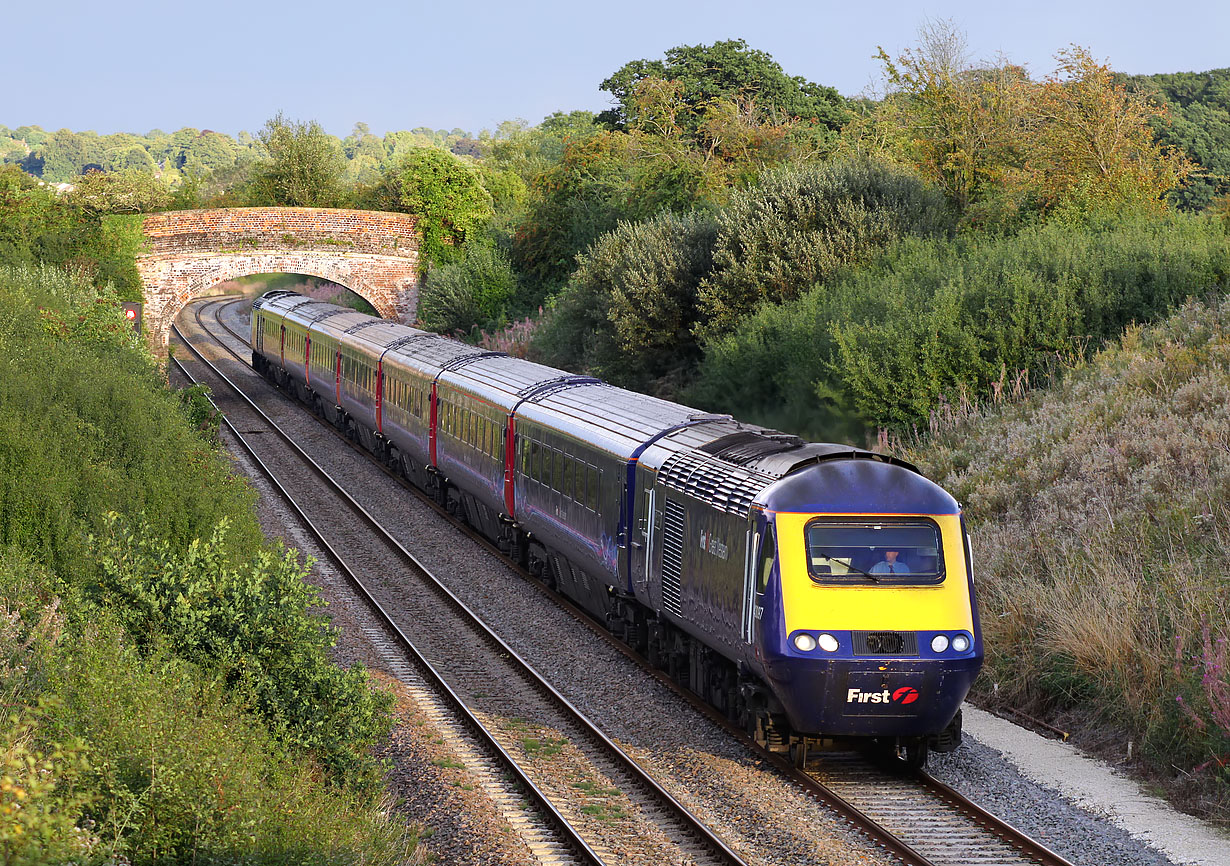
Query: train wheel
x,y
913,753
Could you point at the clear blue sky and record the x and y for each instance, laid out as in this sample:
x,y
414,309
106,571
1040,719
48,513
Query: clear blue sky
x,y
133,65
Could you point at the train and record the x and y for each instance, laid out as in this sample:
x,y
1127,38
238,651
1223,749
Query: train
x,y
813,593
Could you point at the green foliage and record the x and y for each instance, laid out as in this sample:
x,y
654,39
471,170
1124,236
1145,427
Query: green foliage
x,y
127,738
801,225
119,192
111,755
726,70
303,168
184,775
934,320
41,798
1199,104
473,291
89,427
629,311
36,225
444,192
254,624
67,154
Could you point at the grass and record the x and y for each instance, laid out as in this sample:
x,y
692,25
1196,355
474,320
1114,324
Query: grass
x,y
545,747
1100,522
600,806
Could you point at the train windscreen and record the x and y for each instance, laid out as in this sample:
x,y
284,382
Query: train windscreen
x,y
897,552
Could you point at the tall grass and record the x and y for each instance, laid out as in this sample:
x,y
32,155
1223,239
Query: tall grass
x,y
1101,533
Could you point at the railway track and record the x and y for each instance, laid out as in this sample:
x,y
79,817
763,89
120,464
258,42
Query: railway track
x,y
917,819
501,698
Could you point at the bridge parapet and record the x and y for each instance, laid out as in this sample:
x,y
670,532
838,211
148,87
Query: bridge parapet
x,y
372,253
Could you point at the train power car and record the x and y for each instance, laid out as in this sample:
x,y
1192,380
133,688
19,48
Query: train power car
x,y
809,591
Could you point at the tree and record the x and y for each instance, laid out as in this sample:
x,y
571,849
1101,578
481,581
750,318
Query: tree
x,y
444,192
1000,144
121,192
726,70
304,166
1199,124
1092,145
801,225
959,125
67,153
629,311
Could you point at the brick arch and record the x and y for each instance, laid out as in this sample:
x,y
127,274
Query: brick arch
x,y
374,254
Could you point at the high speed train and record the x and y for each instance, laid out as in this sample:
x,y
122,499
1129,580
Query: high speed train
x,y
810,591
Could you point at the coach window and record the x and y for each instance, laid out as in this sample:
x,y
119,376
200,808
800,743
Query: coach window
x,y
567,488
591,489
549,469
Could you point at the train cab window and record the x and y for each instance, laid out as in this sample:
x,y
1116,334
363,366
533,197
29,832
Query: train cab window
x,y
892,552
768,556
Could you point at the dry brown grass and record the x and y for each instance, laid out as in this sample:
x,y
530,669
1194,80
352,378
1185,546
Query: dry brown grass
x,y
1100,526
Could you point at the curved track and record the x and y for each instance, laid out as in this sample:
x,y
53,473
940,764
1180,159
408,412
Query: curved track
x,y
915,818
456,652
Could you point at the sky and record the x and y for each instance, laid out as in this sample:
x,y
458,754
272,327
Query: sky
x,y
229,65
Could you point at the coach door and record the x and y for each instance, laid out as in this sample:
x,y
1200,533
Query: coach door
x,y
757,569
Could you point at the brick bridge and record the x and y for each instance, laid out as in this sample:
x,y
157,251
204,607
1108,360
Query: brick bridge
x,y
373,254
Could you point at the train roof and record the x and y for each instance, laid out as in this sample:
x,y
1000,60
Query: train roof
x,y
857,484
713,456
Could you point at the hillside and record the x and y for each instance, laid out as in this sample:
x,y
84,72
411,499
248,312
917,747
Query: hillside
x,y
1100,522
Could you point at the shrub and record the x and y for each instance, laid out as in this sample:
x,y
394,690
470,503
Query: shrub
x,y
934,320
799,226
179,773
474,291
255,624
445,193
629,311
89,427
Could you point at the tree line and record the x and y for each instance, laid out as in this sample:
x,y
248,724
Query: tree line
x,y
649,242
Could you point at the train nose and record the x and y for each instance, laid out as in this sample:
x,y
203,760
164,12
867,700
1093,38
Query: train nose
x,y
866,698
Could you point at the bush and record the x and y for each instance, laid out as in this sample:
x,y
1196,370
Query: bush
x,y
934,320
256,625
473,292
445,193
629,311
799,226
90,427
180,774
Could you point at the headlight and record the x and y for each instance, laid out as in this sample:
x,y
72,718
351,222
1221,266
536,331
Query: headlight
x,y
804,642
939,643
828,643
960,643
